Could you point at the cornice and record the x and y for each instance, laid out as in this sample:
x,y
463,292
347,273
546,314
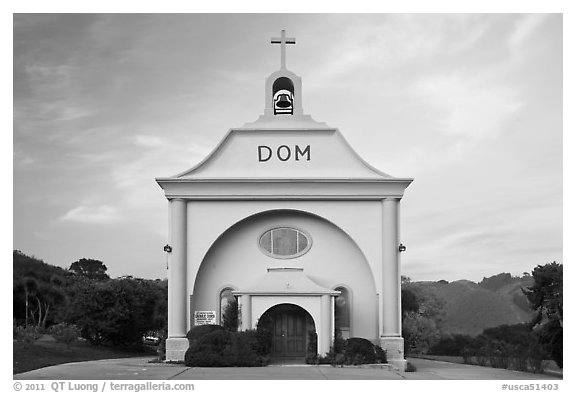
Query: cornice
x,y
161,180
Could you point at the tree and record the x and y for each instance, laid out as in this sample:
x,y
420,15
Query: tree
x,y
90,268
47,297
65,333
30,288
409,302
230,316
546,297
118,311
422,316
38,290
421,333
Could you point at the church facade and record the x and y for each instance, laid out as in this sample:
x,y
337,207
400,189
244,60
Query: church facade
x,y
285,217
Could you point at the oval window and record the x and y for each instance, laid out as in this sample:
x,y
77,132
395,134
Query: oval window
x,y
285,243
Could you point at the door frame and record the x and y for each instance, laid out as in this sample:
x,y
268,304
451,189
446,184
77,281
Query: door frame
x,y
281,313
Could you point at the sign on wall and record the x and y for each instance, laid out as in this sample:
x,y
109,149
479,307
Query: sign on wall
x,y
283,153
204,318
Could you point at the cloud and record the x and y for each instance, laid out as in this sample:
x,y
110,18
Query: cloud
x,y
467,106
92,215
524,28
148,140
390,44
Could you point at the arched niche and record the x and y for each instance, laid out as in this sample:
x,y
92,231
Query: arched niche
x,y
283,82
283,96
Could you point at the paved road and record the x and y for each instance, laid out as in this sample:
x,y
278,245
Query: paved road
x,y
141,369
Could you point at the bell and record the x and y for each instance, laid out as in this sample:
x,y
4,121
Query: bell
x,y
283,101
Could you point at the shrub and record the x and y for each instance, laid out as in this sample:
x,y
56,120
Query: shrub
x,y
230,316
240,352
28,334
359,351
451,345
208,350
380,354
467,354
410,368
65,333
311,358
339,342
212,346
352,351
118,311
161,350
201,330
312,348
263,345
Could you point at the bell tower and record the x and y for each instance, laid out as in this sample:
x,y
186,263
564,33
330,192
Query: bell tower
x,y
283,94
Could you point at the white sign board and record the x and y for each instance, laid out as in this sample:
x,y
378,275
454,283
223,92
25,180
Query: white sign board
x,y
204,318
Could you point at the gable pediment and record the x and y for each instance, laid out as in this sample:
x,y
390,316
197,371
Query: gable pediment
x,y
283,154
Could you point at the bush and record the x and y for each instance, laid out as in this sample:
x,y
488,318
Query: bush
x,y
312,349
380,354
240,351
359,351
65,333
161,351
208,350
354,351
212,346
118,311
201,330
451,345
263,341
230,316
311,358
339,342
28,334
506,346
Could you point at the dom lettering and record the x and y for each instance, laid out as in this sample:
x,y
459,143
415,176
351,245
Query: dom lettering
x,y
283,153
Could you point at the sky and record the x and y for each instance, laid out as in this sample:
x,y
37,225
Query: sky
x,y
469,105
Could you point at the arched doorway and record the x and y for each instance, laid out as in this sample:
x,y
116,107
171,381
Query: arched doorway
x,y
289,326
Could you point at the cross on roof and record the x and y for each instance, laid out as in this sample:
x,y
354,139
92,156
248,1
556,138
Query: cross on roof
x,y
283,41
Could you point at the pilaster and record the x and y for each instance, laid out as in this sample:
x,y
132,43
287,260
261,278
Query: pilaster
x,y
391,330
176,343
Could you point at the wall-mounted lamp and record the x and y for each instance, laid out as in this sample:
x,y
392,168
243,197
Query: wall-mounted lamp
x,y
167,248
401,247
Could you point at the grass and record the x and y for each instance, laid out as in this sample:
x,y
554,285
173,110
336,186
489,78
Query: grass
x,y
27,357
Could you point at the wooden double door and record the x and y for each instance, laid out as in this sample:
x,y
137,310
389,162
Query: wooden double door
x,y
289,333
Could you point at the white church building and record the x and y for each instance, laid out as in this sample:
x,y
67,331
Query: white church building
x,y
285,216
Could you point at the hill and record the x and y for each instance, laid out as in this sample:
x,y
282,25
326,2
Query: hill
x,y
472,307
29,266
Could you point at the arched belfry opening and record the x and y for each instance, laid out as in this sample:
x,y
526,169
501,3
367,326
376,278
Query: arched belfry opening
x,y
283,96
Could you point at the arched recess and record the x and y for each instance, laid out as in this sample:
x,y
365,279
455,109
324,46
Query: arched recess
x,y
343,311
283,96
334,259
240,222
225,297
